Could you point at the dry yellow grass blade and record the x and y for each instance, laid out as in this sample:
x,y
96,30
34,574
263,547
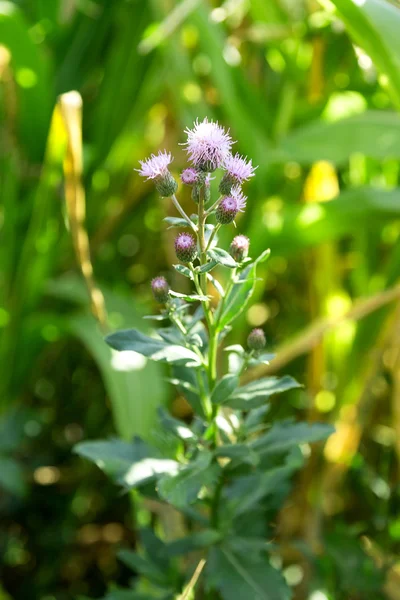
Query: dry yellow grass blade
x,y
68,119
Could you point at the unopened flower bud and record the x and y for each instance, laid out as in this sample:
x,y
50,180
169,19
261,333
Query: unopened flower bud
x,y
160,289
229,206
256,339
166,185
185,247
226,184
189,176
239,248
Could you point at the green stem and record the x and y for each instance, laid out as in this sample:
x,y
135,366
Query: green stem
x,y
182,212
213,206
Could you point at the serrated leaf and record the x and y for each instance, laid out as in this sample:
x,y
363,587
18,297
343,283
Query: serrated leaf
x,y
241,292
182,489
257,392
224,389
183,271
130,464
244,576
285,435
189,297
223,258
155,349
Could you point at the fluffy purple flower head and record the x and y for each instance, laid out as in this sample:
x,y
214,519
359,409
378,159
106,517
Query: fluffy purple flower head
x,y
256,339
160,289
239,168
185,247
189,176
229,206
156,168
239,248
208,145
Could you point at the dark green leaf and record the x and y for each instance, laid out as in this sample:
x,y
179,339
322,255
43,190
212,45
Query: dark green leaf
x,y
178,428
183,488
257,392
243,576
195,541
131,464
143,566
175,222
207,267
284,436
222,257
241,452
241,292
156,349
224,389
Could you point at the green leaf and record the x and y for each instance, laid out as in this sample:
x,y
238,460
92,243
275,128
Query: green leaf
x,y
263,359
257,392
178,428
373,133
131,465
156,349
183,271
143,566
189,297
175,222
241,292
224,389
195,541
207,267
286,435
183,488
375,26
222,257
240,452
245,493
244,576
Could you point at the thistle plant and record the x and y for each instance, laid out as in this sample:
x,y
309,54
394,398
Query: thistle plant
x,y
228,470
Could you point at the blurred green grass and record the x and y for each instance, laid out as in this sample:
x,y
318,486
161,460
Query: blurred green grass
x,y
286,78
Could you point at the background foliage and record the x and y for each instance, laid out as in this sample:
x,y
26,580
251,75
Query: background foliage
x,y
311,90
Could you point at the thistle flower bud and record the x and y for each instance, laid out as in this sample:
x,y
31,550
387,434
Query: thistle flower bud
x,y
256,339
166,185
239,248
189,176
185,247
160,289
229,206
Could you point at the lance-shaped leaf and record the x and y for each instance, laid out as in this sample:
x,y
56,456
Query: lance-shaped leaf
x,y
129,464
224,389
177,427
194,541
188,297
156,349
241,292
286,435
256,393
183,271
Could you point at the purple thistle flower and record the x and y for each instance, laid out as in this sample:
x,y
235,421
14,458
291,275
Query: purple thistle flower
x,y
256,339
208,145
156,168
229,206
185,247
189,176
160,289
238,170
239,248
